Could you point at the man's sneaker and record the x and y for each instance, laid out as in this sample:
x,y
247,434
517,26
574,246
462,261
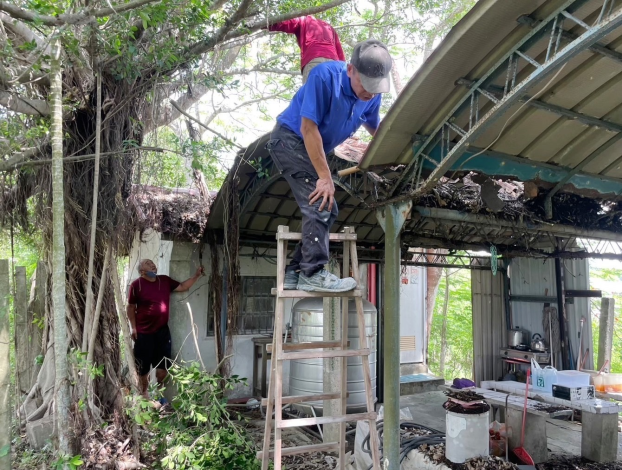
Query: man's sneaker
x,y
323,281
291,280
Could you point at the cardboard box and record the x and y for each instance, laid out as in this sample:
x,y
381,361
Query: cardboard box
x,y
573,393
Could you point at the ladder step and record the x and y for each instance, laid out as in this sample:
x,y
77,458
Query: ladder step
x,y
333,237
288,356
305,398
328,447
307,345
295,423
301,294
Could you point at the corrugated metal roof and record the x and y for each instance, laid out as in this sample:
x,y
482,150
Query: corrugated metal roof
x,y
575,110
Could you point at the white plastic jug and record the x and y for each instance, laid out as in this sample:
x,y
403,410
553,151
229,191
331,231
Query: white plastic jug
x,y
543,379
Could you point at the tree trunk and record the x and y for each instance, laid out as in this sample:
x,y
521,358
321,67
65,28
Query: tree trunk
x,y
444,327
61,345
5,368
433,278
89,285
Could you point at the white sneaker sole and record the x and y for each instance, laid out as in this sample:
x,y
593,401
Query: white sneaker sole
x,y
321,289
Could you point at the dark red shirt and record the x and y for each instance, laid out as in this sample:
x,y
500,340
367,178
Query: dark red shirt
x,y
316,38
152,302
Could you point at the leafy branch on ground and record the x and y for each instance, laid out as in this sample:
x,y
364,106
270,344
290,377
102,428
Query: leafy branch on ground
x,y
198,430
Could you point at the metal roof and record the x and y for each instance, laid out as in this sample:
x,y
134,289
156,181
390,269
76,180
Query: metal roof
x,y
529,90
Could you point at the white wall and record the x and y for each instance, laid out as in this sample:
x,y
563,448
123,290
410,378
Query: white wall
x,y
412,314
150,246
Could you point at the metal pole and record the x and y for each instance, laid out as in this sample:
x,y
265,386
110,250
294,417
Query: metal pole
x,y
559,285
380,335
392,219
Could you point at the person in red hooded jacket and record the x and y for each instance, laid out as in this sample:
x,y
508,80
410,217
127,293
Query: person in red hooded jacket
x,y
317,39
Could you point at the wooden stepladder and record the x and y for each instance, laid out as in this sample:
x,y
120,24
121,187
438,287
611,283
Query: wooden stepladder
x,y
316,350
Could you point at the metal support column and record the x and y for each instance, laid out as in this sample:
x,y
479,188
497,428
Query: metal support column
x,y
380,334
561,311
391,219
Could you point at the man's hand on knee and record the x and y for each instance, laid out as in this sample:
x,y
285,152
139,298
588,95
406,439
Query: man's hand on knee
x,y
325,190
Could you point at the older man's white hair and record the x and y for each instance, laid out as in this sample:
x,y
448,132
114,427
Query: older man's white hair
x,y
141,264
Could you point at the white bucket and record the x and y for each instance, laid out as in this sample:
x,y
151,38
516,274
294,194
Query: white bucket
x,y
466,436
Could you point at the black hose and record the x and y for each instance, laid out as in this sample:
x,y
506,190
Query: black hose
x,y
435,437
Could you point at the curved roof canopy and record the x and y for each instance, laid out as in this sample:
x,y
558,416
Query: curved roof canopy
x,y
526,90
529,89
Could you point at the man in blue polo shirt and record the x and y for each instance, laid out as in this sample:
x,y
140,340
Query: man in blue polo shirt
x,y
336,100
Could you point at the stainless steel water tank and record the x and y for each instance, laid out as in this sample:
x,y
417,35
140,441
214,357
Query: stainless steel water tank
x,y
306,375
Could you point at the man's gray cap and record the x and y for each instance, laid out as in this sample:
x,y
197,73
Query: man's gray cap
x,y
372,60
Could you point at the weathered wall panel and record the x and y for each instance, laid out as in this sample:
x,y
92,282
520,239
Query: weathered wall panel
x,y
489,325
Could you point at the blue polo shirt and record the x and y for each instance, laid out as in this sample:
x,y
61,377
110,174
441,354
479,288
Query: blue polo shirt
x,y
329,100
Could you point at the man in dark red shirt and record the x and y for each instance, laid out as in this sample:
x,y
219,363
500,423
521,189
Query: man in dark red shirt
x,y
317,39
148,312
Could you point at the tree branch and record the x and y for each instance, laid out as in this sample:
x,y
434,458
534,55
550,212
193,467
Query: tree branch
x,y
262,70
222,33
241,105
83,17
12,101
156,117
249,102
261,67
121,8
263,22
18,158
21,14
20,29
181,111
208,44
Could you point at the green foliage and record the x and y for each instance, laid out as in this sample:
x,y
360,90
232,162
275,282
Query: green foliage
x,y
200,432
79,360
606,276
459,334
172,167
26,248
65,462
27,458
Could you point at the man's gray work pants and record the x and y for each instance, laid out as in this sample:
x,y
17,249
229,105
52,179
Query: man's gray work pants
x,y
290,156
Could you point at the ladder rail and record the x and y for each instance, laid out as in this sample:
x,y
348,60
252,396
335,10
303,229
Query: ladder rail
x,y
345,320
373,431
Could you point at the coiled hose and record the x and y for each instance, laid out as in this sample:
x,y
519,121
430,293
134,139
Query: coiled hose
x,y
406,445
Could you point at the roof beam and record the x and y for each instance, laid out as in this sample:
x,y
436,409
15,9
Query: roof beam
x,y
597,48
476,219
498,164
552,108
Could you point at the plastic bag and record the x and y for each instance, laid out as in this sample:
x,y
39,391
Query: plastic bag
x,y
543,379
497,435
